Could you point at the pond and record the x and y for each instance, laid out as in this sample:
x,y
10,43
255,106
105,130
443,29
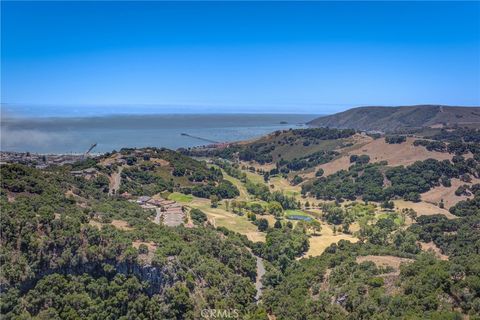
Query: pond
x,y
299,217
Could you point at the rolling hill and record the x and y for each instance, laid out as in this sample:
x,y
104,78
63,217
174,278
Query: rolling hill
x,y
389,119
334,214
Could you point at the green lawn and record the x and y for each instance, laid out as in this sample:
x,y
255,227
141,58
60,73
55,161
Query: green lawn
x,y
361,209
254,177
398,219
296,213
291,193
180,197
260,202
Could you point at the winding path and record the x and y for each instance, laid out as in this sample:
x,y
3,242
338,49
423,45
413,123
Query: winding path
x,y
158,215
115,180
260,274
258,281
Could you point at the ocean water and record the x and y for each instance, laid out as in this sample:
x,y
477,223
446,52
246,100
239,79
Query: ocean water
x,y
112,132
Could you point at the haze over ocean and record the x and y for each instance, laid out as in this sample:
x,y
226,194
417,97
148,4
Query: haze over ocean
x,y
76,134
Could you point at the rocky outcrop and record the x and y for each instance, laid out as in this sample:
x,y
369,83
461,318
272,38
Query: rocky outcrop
x,y
157,278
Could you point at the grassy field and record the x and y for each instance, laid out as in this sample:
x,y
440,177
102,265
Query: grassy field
x,y
219,217
271,219
385,261
180,197
399,220
319,243
281,184
423,208
296,213
254,177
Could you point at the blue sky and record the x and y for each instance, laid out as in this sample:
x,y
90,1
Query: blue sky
x,y
229,56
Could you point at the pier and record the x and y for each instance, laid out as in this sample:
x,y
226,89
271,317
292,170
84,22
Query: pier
x,y
200,138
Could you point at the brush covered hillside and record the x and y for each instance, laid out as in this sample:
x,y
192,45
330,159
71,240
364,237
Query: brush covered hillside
x,y
436,167
385,217
285,151
72,250
265,231
146,172
390,119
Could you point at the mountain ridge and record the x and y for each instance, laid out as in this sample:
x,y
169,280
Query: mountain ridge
x,y
397,118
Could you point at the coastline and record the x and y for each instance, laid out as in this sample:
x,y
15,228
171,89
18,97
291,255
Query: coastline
x,y
74,135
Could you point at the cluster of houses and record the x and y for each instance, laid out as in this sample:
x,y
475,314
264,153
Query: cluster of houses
x,y
169,212
88,173
40,161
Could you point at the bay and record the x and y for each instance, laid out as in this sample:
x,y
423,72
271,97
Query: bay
x,y
113,132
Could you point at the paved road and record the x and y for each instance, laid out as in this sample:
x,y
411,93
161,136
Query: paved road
x,y
260,274
258,281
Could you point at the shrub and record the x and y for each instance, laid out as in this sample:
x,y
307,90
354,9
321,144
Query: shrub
x,y
395,139
262,224
319,172
375,282
143,249
198,216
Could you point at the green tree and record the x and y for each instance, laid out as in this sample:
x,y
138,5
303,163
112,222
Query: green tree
x,y
275,208
198,216
214,199
262,224
315,226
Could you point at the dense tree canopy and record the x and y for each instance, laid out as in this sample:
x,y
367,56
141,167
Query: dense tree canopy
x,y
70,250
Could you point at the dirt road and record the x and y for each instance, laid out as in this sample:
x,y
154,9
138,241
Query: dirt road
x,y
115,180
157,217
